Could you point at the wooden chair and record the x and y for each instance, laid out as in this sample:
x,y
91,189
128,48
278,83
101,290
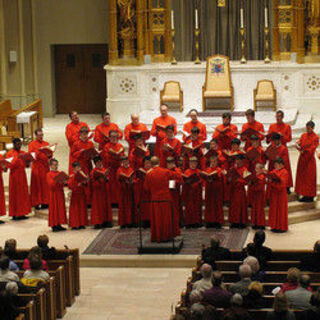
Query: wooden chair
x,y
172,95
217,92
265,95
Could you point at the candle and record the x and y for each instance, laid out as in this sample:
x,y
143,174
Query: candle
x,y
241,18
266,17
172,20
196,19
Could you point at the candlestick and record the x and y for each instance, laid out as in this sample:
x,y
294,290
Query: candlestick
x,y
196,19
173,47
243,46
266,17
172,19
267,46
197,46
241,18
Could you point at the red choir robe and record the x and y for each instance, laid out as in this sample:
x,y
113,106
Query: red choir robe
x,y
177,202
284,129
72,135
19,197
101,205
192,199
257,126
57,206
258,201
131,127
224,139
189,125
40,168
306,178
238,210
136,162
85,163
127,213
112,162
157,185
164,153
278,203
161,133
78,213
2,194
101,133
199,154
214,197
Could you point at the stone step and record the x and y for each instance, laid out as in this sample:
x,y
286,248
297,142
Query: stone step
x,y
304,216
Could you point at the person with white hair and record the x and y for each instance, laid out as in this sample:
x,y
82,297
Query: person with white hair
x,y
236,310
205,283
241,286
257,274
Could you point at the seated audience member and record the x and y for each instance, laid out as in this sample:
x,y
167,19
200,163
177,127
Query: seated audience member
x,y
197,312
10,250
216,296
35,272
215,252
8,310
12,289
299,298
205,283
47,253
253,263
258,250
237,309
292,280
210,313
311,262
35,251
195,301
254,300
241,286
5,274
280,309
314,311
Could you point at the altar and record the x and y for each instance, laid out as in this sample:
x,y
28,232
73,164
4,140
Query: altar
x,y
136,89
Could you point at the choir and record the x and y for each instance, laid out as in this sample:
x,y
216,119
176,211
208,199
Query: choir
x,y
181,174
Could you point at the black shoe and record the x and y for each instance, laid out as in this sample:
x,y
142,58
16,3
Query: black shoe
x,y
288,191
55,229
234,225
209,225
309,199
255,227
114,205
261,227
2,222
123,226
82,227
38,207
23,218
44,206
61,228
242,225
107,224
88,206
278,231
145,224
217,225
75,228
98,226
134,225
15,218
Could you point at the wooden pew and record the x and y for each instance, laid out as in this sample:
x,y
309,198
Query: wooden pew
x,y
229,265
20,317
39,300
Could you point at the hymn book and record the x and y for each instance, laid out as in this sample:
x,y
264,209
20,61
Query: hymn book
x,y
140,152
273,177
27,157
145,134
271,152
209,176
189,149
49,150
126,178
194,178
89,153
61,178
248,133
98,174
253,154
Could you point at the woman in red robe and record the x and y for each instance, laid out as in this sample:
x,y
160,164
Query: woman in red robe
x,y
214,216
125,177
40,168
101,212
19,197
78,214
192,196
306,178
238,210
2,195
278,205
57,206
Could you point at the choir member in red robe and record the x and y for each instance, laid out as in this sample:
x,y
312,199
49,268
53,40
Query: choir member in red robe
x,y
135,127
101,133
192,196
72,133
78,214
19,197
214,216
196,143
40,168
253,124
278,205
169,147
258,187
3,168
176,196
225,132
57,206
101,213
111,154
306,178
238,210
159,126
157,185
140,194
214,149
194,123
282,128
127,208
138,153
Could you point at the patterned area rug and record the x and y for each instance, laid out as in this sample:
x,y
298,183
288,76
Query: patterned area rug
x,y
116,241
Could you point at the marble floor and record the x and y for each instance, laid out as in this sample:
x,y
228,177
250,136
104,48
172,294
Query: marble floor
x,y
127,293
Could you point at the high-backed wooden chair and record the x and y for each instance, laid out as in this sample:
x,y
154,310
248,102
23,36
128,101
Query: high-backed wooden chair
x,y
217,92
265,95
172,95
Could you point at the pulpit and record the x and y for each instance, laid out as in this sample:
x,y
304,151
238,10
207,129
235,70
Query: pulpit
x,y
217,92
265,95
172,95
